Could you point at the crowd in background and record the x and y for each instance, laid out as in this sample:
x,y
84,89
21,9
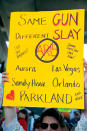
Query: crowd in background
x,y
31,121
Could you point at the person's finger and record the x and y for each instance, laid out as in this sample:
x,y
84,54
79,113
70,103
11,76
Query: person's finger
x,y
83,60
5,76
85,64
5,73
5,80
85,76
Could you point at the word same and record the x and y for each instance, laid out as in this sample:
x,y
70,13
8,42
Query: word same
x,y
24,20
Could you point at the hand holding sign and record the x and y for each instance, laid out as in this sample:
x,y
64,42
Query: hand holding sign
x,y
5,78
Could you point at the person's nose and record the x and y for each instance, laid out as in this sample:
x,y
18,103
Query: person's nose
x,y
49,129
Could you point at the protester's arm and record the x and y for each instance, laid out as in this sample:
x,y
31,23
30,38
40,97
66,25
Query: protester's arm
x,y
10,112
85,89
82,124
11,123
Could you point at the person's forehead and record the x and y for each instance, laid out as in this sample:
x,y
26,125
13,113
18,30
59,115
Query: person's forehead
x,y
21,113
49,119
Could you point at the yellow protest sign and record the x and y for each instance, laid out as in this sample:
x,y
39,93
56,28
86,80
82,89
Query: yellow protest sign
x,y
45,59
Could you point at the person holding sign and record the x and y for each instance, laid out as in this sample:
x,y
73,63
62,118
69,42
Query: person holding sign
x,y
82,124
11,123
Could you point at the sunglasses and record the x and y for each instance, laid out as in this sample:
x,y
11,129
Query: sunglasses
x,y
53,126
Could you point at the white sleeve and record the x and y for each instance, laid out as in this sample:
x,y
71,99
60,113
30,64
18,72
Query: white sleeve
x,y
14,125
82,124
1,89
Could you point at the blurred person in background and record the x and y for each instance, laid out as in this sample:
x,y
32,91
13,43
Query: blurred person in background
x,y
37,125
31,122
75,120
22,118
1,118
82,123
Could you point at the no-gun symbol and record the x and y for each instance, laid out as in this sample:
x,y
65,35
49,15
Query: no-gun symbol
x,y
47,50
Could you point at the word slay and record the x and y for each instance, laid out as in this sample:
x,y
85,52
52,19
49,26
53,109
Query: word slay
x,y
60,34
66,19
